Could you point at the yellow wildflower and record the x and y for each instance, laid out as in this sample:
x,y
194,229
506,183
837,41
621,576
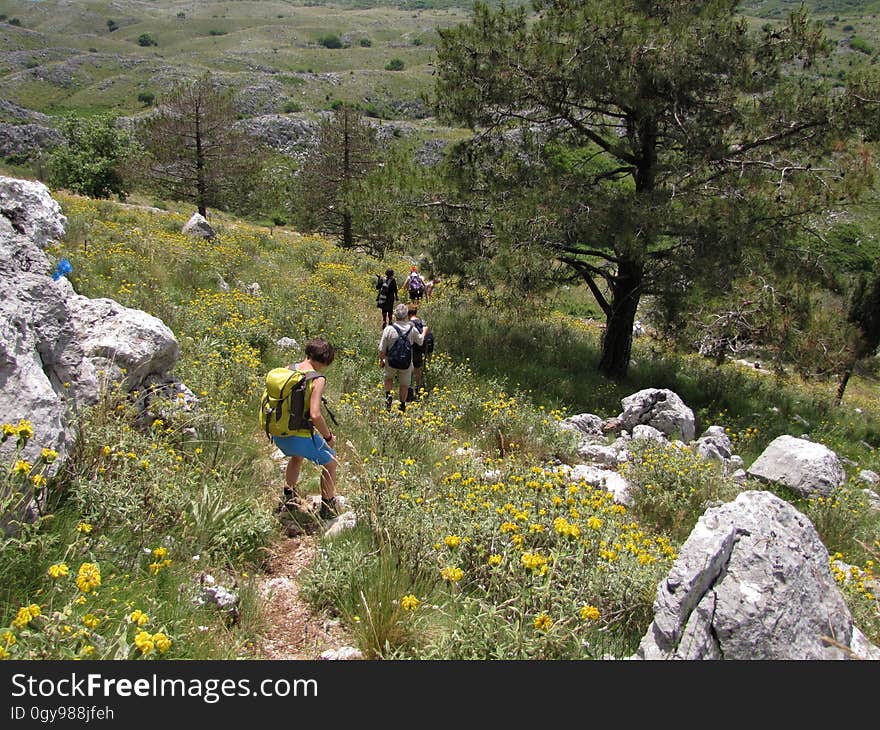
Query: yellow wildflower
x,y
88,577
139,617
542,622
91,620
143,640
409,602
452,573
452,540
22,619
58,570
494,559
162,642
590,613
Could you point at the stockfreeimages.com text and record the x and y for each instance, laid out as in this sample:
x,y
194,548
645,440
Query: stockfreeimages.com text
x,y
209,690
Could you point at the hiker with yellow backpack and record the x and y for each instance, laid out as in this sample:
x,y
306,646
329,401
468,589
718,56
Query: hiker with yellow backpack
x,y
291,416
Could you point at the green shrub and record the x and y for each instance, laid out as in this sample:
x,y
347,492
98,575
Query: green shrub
x,y
395,64
861,45
330,40
145,39
671,487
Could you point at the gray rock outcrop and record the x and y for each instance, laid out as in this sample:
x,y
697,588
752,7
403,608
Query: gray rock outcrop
x,y
27,141
804,466
660,408
752,581
58,349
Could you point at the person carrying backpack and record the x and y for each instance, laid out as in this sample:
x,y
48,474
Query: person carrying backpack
x,y
386,287
395,354
317,443
420,352
414,284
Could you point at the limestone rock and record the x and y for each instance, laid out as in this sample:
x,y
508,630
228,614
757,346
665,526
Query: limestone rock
x,y
660,408
752,581
198,226
801,465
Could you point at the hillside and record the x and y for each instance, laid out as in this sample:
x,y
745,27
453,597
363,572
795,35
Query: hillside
x,y
165,504
270,51
523,505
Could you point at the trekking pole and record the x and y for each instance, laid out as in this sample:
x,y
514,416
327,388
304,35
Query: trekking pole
x,y
329,412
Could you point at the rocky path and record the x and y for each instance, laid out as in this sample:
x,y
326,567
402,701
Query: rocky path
x,y
294,631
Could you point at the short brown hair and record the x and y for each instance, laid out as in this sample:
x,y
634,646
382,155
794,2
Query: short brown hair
x,y
320,350
412,309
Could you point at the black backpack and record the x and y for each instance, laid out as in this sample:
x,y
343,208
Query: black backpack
x,y
383,284
400,353
428,346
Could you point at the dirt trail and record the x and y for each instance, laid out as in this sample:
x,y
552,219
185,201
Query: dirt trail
x,y
294,631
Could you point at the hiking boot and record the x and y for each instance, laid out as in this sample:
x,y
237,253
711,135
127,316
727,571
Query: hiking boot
x,y
328,509
401,407
288,499
410,395
389,399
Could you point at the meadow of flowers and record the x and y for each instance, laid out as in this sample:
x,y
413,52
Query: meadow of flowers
x,y
473,541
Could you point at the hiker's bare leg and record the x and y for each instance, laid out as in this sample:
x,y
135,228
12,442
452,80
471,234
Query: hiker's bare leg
x,y
291,474
328,480
403,391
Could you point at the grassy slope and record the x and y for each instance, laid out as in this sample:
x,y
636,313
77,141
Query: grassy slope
x,y
422,475
252,42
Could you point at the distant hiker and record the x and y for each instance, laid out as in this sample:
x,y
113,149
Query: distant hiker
x,y
315,443
429,286
386,286
419,353
414,284
396,354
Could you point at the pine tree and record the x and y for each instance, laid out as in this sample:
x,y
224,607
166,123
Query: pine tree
x,y
345,152
194,151
640,142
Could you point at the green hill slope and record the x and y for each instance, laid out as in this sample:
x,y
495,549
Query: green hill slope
x,y
463,510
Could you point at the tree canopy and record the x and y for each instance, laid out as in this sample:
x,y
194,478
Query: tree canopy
x,y
645,145
90,159
194,150
345,152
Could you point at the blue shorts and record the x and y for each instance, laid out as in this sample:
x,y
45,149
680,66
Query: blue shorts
x,y
314,447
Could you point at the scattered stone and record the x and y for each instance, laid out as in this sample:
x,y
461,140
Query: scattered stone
x,y
343,653
804,466
213,593
660,408
585,423
607,479
198,226
338,525
648,433
873,498
604,455
287,343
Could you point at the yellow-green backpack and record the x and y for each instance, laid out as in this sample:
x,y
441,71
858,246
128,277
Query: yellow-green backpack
x,y
284,407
